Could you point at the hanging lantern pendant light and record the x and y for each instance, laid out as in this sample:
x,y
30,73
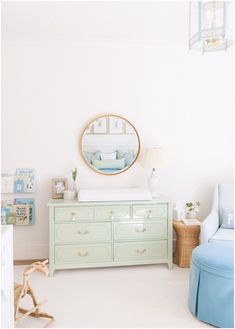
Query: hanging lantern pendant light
x,y
209,25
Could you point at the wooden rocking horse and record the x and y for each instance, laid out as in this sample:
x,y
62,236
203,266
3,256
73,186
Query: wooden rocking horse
x,y
21,290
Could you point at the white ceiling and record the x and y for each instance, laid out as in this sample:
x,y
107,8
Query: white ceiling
x,y
116,21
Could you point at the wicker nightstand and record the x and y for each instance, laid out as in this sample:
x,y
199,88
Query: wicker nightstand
x,y
187,238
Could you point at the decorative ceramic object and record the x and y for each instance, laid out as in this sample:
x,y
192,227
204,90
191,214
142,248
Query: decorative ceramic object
x,y
69,195
153,159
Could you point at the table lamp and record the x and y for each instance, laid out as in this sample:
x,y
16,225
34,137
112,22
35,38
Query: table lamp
x,y
153,158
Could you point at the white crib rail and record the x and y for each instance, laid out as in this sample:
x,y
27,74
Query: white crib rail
x,y
7,282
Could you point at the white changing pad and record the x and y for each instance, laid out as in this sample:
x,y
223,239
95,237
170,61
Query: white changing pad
x,y
126,194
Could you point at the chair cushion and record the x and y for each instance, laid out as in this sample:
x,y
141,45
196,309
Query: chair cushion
x,y
223,235
214,258
227,219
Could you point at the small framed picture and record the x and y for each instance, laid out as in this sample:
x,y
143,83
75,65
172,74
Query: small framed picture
x,y
129,129
115,125
100,126
58,187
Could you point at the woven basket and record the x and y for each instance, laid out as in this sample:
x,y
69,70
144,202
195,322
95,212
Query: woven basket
x,y
187,239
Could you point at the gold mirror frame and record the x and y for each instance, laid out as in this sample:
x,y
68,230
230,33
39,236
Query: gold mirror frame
x,y
81,149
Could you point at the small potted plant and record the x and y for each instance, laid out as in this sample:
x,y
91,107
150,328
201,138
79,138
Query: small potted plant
x,y
192,209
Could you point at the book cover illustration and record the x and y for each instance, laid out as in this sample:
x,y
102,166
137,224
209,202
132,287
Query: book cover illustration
x,y
8,215
13,213
23,181
30,183
24,171
30,202
22,214
18,185
27,178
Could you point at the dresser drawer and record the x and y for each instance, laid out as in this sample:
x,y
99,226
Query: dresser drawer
x,y
112,212
87,253
73,213
150,211
140,250
83,232
139,231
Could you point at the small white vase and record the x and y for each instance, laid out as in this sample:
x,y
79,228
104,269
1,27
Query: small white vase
x,y
69,195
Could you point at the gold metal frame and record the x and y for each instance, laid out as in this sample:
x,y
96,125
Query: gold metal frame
x,y
92,167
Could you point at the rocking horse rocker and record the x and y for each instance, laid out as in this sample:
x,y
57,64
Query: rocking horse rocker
x,y
21,290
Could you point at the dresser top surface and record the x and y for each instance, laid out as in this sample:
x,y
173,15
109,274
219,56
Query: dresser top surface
x,y
75,203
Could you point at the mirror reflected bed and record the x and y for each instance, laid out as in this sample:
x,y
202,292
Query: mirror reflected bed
x,y
110,144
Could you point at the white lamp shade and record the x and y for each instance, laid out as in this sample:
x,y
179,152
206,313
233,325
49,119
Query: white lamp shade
x,y
152,157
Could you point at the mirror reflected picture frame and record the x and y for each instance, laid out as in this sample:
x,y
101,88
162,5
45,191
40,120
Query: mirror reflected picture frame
x,y
109,144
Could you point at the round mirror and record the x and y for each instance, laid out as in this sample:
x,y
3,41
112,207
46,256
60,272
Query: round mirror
x,y
110,144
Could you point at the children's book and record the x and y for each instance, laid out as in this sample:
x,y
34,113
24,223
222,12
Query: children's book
x,y
30,183
19,185
8,215
22,214
24,171
30,202
25,180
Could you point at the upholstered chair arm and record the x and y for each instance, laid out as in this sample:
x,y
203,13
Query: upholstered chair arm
x,y
209,226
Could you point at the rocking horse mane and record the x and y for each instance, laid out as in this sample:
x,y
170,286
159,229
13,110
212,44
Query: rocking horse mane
x,y
37,267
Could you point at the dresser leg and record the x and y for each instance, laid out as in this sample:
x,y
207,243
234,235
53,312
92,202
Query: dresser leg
x,y
170,265
51,271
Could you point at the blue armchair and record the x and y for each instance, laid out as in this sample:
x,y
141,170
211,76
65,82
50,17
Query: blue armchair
x,y
211,230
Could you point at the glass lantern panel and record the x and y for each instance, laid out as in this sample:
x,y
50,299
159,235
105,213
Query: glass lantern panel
x,y
213,15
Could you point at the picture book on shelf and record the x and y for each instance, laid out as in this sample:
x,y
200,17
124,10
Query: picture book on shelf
x,y
30,203
20,211
8,215
22,214
23,181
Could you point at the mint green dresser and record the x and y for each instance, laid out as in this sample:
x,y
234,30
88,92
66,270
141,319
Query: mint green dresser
x,y
99,234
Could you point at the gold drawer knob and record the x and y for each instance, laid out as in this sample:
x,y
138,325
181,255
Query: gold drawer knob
x,y
140,251
82,232
140,231
111,214
73,215
83,254
150,213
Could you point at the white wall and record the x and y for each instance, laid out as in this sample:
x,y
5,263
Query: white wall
x,y
175,98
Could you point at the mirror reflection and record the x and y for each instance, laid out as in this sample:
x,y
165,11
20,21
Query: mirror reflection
x,y
110,144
